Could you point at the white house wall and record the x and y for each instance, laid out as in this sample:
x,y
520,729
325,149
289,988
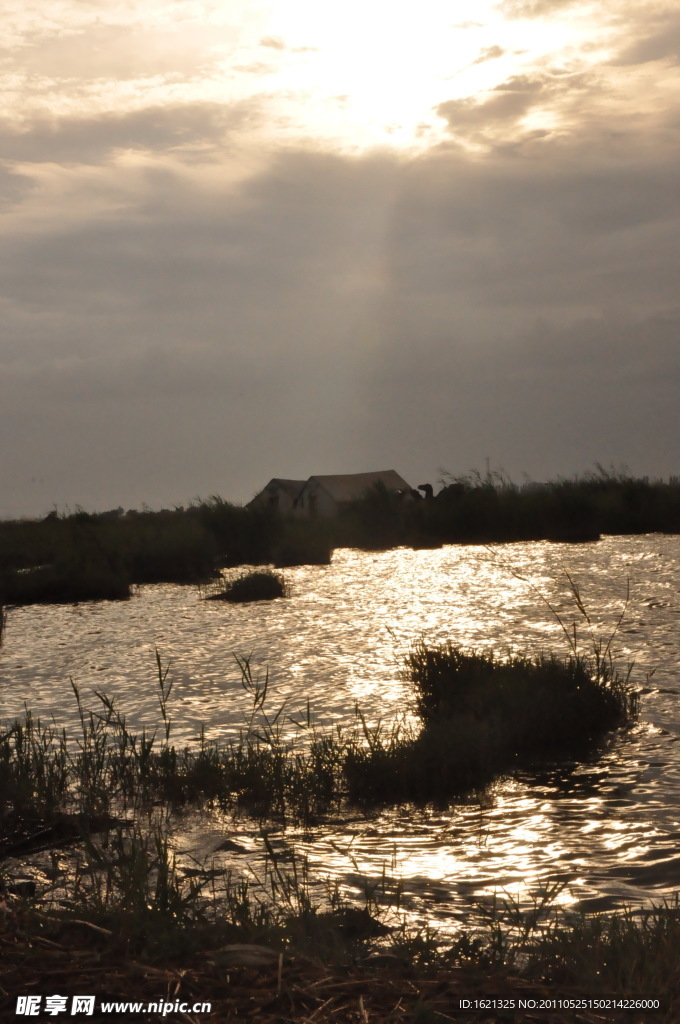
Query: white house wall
x,y
315,501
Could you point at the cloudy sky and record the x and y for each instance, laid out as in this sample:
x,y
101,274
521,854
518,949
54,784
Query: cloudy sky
x,y
254,238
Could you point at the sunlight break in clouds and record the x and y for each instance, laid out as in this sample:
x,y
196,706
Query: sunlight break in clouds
x,y
353,74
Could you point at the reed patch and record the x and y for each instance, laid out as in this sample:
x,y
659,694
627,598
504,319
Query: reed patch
x,y
263,585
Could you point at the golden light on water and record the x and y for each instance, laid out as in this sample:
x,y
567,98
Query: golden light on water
x,y
606,831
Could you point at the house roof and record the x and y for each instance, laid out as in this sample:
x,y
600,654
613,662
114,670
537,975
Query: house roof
x,y
351,486
291,487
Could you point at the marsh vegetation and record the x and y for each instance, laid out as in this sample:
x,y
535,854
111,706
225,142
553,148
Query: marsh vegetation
x,y
479,715
82,556
123,896
491,508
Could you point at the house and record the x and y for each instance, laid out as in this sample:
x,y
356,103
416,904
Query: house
x,y
279,495
324,495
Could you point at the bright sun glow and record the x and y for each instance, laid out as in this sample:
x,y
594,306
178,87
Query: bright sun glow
x,y
375,72
350,74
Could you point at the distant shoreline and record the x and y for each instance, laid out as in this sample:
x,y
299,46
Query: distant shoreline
x,y
96,556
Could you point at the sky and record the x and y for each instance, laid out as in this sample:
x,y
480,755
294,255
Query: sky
x,y
244,239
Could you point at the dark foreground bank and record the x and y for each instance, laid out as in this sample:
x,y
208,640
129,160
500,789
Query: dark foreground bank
x,y
584,973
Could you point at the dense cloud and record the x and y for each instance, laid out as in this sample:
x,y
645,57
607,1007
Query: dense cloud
x,y
662,43
186,309
88,140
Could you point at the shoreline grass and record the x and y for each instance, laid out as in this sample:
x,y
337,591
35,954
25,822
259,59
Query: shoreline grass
x,y
130,924
272,982
94,556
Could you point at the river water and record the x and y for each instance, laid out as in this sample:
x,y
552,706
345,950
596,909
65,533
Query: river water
x,y
608,831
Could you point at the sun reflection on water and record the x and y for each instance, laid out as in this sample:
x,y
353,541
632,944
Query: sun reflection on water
x,y
608,829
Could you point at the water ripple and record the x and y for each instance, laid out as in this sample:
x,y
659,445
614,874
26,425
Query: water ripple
x,y
608,829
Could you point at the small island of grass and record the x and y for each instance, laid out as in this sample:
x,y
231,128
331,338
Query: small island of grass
x,y
483,716
252,586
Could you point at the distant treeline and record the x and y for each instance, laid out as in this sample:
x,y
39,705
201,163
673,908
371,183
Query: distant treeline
x,y
83,556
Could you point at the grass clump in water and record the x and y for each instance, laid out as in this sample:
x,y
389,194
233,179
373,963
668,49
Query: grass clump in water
x,y
262,585
480,717
483,716
528,705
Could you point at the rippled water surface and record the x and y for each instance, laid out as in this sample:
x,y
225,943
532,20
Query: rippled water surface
x,y
610,828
